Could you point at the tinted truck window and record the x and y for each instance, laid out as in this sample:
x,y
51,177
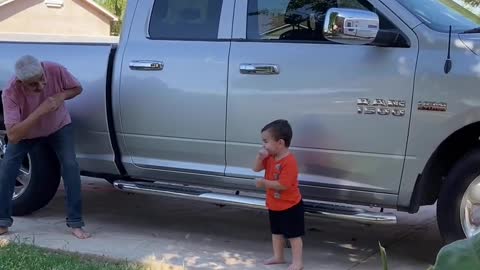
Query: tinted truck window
x,y
291,19
185,19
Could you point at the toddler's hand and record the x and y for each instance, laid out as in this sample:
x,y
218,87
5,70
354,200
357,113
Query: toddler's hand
x,y
260,183
262,154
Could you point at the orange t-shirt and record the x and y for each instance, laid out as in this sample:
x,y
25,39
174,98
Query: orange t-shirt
x,y
286,172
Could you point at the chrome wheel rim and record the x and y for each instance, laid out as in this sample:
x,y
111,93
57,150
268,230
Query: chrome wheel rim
x,y
24,176
470,209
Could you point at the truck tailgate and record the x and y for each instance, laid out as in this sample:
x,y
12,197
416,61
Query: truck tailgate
x,y
89,63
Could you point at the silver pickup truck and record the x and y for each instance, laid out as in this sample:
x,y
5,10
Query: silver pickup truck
x,y
383,97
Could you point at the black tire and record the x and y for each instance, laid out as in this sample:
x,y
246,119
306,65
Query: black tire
x,y
448,206
44,181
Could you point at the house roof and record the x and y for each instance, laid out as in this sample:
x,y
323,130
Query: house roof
x,y
97,6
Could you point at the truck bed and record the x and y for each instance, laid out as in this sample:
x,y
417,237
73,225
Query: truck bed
x,y
91,63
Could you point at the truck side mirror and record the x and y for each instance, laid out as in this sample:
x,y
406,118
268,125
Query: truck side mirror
x,y
351,26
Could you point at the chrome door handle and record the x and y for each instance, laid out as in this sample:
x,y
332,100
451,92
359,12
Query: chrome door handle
x,y
146,65
259,69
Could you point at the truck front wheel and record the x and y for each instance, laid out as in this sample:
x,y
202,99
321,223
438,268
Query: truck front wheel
x,y
37,181
458,206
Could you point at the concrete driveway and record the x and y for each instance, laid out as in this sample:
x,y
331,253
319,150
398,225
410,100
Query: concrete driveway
x,y
197,235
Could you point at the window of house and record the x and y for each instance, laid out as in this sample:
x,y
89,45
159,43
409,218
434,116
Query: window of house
x,y
54,3
185,19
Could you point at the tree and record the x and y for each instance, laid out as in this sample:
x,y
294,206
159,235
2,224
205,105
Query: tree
x,y
117,7
474,3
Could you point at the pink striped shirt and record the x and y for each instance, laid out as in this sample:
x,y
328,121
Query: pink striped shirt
x,y
19,104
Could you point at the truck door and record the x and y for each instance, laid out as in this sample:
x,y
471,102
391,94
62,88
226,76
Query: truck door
x,y
173,90
281,66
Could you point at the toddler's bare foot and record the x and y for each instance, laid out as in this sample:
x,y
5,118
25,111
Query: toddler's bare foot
x,y
80,233
295,267
274,260
3,230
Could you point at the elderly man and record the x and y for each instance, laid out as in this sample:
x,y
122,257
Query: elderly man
x,y
34,111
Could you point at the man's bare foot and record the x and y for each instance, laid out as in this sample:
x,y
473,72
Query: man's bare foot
x,y
274,260
295,267
3,230
80,233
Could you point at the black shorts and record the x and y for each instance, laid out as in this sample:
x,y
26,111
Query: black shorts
x,y
289,223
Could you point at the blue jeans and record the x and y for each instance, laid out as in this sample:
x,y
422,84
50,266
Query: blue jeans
x,y
63,144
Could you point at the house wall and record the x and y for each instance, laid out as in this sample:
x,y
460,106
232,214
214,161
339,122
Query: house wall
x,y
75,18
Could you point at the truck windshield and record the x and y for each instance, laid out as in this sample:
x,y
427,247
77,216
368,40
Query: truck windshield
x,y
439,15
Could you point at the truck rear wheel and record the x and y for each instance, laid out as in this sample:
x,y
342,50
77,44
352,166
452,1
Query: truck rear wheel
x,y
458,206
37,181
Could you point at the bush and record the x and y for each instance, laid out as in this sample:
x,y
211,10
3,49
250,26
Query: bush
x,y
462,255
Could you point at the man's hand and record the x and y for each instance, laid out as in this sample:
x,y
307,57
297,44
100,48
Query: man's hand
x,y
50,104
71,93
60,97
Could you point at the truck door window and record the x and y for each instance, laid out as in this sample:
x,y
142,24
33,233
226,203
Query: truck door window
x,y
185,19
292,19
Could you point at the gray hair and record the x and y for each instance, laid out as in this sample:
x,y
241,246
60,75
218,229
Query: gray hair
x,y
27,67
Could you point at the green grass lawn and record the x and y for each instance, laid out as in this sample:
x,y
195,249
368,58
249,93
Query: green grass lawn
x,y
19,256
26,257
15,256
